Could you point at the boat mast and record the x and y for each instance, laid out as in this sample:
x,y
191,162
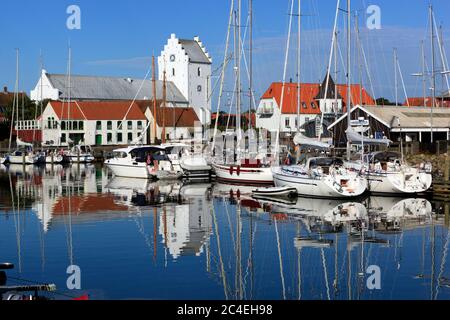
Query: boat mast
x,y
424,81
154,99
238,106
299,65
15,100
349,95
395,77
250,105
433,74
164,108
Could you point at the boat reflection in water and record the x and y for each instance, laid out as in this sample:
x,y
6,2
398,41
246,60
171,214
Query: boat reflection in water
x,y
215,241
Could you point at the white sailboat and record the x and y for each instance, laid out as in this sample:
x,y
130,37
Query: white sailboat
x,y
319,177
244,170
388,174
23,154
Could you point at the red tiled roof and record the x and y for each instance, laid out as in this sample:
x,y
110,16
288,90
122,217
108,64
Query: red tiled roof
x,y
86,204
309,92
356,97
173,116
419,102
97,110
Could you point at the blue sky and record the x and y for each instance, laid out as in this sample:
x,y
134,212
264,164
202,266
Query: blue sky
x,y
117,38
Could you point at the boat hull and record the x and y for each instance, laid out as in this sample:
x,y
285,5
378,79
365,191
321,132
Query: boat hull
x,y
140,170
396,183
323,187
242,175
22,160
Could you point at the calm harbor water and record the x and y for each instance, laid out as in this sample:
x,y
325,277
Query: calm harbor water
x,y
135,239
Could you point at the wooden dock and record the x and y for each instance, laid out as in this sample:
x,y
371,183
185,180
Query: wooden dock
x,y
441,190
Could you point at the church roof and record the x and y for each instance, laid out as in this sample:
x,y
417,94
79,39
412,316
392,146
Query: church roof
x,y
194,51
112,88
97,110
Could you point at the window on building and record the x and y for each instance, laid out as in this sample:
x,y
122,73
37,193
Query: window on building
x,y
63,138
119,137
109,125
306,120
173,72
49,123
109,137
199,88
139,125
296,122
99,125
119,125
304,105
130,125
75,125
63,125
313,105
130,137
199,71
286,122
80,125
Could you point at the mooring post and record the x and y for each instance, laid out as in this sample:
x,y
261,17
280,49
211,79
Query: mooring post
x,y
447,213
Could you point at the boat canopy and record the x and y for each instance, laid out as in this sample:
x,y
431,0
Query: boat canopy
x,y
356,138
303,140
21,143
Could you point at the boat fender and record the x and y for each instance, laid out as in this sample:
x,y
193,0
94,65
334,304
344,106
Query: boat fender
x,y
238,171
231,170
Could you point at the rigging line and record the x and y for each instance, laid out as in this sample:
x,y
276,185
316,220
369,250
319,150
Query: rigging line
x,y
135,98
325,273
443,262
403,82
222,268
286,58
366,64
330,59
280,259
442,52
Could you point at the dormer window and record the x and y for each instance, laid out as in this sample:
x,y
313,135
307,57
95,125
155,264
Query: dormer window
x,y
304,105
313,105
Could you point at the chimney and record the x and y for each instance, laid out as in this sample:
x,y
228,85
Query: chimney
x,y
5,89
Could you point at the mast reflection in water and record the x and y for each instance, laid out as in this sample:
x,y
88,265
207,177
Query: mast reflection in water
x,y
138,239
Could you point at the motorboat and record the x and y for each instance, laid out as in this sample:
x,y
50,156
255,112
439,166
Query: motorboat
x,y
55,157
135,162
194,166
321,177
388,174
80,154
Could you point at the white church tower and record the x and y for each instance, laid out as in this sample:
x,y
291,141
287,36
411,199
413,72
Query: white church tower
x,y
188,65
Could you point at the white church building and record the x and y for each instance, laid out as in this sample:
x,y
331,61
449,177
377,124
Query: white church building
x,y
185,63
